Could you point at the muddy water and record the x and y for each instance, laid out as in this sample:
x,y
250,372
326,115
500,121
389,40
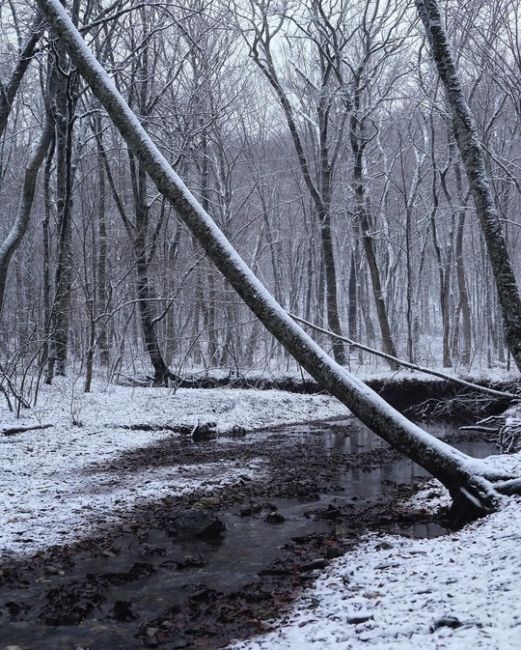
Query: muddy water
x,y
146,568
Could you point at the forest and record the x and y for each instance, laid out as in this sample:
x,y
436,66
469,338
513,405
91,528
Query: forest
x,y
224,222
319,139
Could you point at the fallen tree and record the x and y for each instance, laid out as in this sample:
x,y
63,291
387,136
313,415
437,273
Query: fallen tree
x,y
12,431
473,487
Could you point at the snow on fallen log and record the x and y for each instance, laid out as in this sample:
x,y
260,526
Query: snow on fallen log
x,y
12,431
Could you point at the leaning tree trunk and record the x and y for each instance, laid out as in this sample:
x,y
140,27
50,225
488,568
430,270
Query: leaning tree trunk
x,y
8,90
467,479
19,228
471,151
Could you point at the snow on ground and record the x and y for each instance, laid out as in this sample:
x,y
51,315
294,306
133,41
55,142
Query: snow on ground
x,y
46,495
111,405
395,593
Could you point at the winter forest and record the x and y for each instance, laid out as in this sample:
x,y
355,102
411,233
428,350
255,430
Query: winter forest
x,y
317,136
223,222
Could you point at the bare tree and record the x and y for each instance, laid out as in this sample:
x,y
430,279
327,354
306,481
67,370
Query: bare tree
x,y
62,100
405,248
260,36
21,222
471,151
9,88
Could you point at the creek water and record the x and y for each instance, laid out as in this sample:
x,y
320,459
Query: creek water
x,y
249,545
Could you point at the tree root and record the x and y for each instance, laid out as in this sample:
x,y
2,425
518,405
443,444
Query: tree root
x,y
505,427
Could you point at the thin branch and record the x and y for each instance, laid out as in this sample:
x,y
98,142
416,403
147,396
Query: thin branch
x,y
406,364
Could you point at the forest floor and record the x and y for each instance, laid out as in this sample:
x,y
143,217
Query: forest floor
x,y
111,536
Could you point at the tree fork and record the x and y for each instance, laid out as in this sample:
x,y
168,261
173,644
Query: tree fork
x,y
473,493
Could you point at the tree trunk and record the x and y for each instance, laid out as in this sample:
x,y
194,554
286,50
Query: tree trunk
x,y
102,285
442,277
19,228
144,291
209,304
144,294
464,303
353,298
471,151
468,481
62,109
46,237
357,146
8,91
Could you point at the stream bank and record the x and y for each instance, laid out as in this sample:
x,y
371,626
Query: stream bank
x,y
410,392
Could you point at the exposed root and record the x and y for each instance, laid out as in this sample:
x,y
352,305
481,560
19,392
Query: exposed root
x,y
436,408
505,428
509,436
480,494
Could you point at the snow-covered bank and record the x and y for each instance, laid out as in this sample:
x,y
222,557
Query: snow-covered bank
x,y
458,591
371,373
109,405
47,497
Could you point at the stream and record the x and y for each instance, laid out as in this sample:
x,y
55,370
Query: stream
x,y
148,587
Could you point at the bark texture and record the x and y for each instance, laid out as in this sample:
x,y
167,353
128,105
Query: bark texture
x,y
62,106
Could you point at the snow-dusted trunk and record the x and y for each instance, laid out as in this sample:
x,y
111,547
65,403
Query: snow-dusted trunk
x,y
358,141
469,488
145,293
62,103
471,151
102,287
19,227
46,243
8,90
464,302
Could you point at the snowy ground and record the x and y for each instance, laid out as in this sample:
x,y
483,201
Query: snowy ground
x,y
459,591
47,497
391,592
